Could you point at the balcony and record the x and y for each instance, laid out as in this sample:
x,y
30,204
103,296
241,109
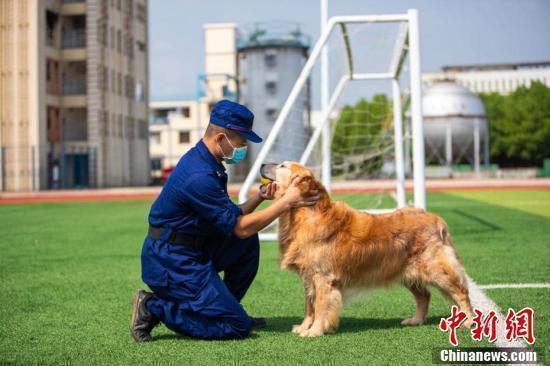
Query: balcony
x,y
74,78
53,80
52,27
74,87
159,116
74,39
73,32
75,124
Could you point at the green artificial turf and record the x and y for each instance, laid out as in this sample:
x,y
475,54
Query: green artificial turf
x,y
69,271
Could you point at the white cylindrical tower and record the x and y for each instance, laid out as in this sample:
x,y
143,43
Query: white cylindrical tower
x,y
270,58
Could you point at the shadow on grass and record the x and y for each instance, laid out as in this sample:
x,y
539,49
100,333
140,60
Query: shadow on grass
x,y
283,324
183,337
347,325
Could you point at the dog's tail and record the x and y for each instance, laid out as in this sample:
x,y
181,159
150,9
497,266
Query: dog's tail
x,y
452,254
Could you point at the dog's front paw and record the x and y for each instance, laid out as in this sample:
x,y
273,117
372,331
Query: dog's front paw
x,y
298,328
311,332
413,321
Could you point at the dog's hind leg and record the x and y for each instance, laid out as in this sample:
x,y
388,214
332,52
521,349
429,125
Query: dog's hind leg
x,y
328,301
422,297
450,278
309,310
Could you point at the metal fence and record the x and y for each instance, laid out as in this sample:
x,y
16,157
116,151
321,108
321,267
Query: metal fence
x,y
50,166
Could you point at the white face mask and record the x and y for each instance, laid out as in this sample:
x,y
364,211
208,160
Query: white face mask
x,y
238,154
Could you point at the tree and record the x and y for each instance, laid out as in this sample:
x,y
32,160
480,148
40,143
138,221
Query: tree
x,y
519,125
359,136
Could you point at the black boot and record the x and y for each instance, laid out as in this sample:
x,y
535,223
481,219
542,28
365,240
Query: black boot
x,y
142,322
258,322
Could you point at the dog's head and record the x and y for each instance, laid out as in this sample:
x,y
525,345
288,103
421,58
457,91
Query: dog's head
x,y
291,173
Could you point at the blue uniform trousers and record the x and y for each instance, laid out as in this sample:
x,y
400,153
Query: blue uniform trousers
x,y
190,297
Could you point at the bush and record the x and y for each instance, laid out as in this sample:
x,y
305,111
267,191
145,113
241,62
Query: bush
x,y
519,125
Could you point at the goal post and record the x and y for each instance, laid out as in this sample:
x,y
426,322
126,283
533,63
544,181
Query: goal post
x,y
367,140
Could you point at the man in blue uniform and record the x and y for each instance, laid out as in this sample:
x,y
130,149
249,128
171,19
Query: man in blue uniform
x,y
196,231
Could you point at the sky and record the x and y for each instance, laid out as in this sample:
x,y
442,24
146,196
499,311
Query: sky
x,y
452,32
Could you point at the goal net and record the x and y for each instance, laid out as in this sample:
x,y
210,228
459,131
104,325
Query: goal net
x,y
362,141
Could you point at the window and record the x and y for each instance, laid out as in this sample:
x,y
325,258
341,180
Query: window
x,y
130,88
270,59
154,137
141,12
160,115
53,124
143,129
130,131
141,46
105,123
112,122
113,81
185,137
119,40
113,38
130,46
119,76
120,126
51,22
105,33
75,124
156,163
271,113
140,97
271,87
100,78
105,78
49,69
102,31
185,112
129,5
53,85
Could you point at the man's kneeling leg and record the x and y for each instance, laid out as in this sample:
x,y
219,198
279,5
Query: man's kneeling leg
x,y
220,318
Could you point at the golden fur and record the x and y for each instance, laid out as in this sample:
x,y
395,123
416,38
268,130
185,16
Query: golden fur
x,y
335,248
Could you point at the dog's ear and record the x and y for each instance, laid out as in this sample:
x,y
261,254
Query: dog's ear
x,y
306,182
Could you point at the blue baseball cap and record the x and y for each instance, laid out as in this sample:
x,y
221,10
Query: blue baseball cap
x,y
235,117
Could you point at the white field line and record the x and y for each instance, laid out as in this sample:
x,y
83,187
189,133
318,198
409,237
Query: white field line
x,y
514,285
480,301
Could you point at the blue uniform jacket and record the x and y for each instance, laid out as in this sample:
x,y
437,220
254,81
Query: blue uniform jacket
x,y
193,201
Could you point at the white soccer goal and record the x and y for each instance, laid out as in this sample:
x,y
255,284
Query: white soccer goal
x,y
373,82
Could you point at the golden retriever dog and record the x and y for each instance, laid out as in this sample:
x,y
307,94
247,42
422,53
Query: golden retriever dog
x,y
337,250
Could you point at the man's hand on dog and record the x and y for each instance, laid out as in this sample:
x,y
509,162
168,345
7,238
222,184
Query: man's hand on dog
x,y
267,191
295,199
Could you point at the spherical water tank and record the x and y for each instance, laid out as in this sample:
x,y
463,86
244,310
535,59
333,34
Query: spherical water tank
x,y
451,109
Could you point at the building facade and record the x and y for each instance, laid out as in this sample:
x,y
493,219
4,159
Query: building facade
x,y
256,66
74,81
497,78
175,127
